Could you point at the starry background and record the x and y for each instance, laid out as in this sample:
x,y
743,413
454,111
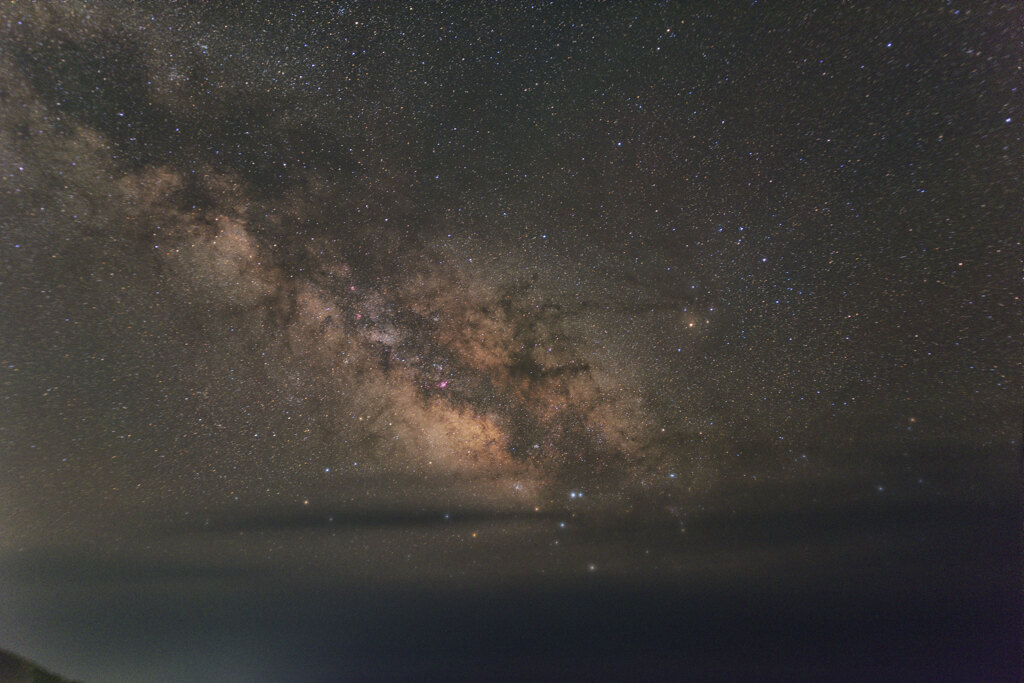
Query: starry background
x,y
368,339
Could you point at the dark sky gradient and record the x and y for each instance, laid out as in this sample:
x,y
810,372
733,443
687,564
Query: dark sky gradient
x,y
593,340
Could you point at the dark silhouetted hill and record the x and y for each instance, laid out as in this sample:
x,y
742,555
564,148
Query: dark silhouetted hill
x,y
15,669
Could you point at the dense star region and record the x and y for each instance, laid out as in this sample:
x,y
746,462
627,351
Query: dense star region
x,y
489,303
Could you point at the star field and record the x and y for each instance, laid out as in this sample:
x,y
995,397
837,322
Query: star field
x,y
434,292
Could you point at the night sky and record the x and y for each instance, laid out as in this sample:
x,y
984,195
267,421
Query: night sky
x,y
349,340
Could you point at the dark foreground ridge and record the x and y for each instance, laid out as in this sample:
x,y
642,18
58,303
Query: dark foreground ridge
x,y
15,669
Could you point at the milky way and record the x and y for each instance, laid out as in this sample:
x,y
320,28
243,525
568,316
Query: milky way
x,y
449,285
368,246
